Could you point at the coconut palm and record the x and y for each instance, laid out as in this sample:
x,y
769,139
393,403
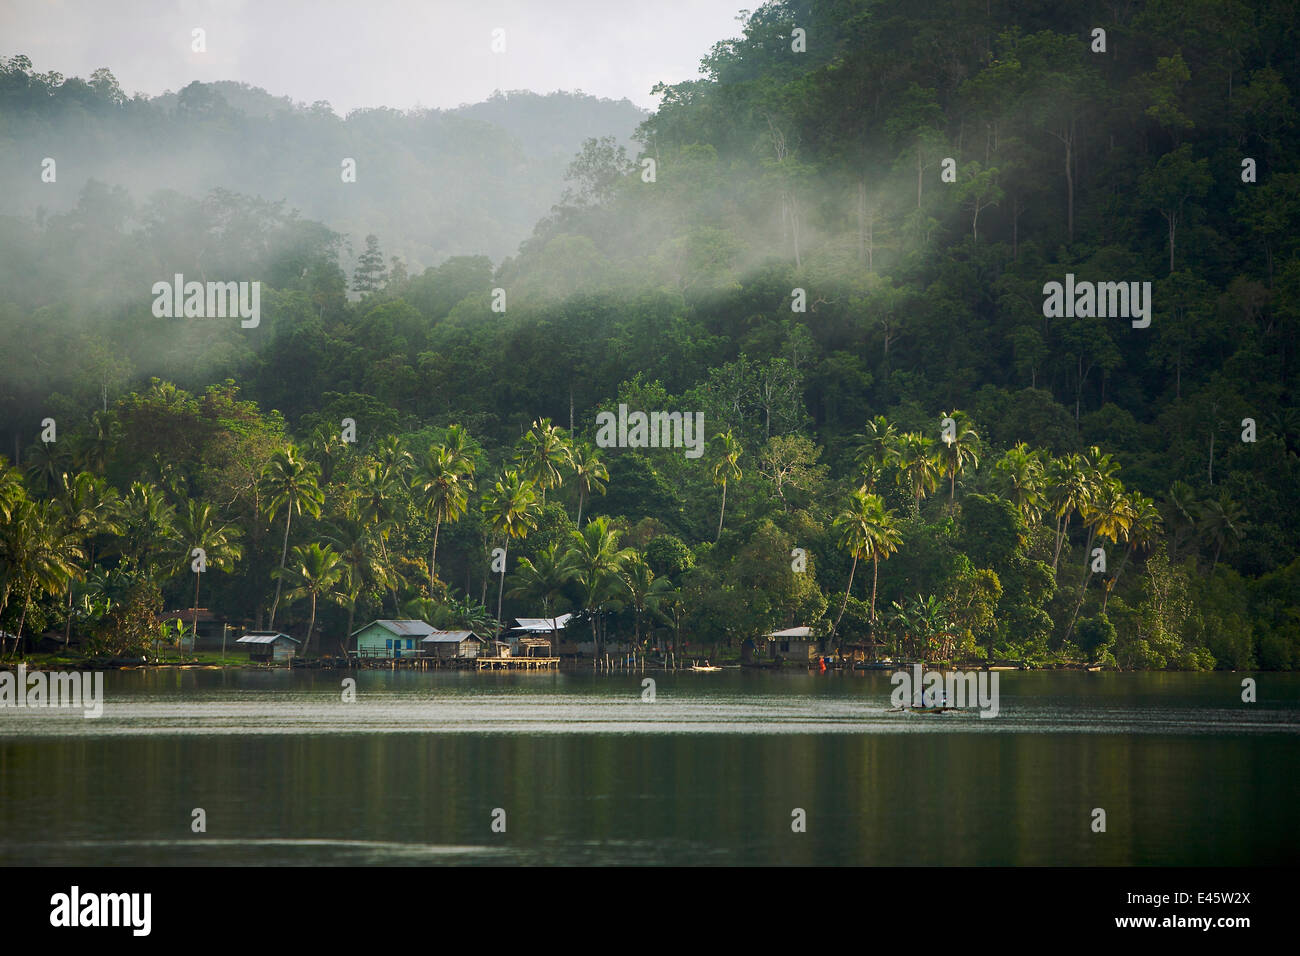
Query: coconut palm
x,y
148,530
589,474
198,527
328,449
90,508
957,450
726,469
543,455
1222,521
442,486
918,468
1107,514
644,591
510,507
96,448
363,565
314,573
1068,487
39,554
595,562
373,499
291,484
48,464
395,463
1180,512
876,442
867,530
543,578
1021,474
1143,531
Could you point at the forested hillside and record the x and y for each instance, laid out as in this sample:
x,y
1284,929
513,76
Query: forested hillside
x,y
837,246
434,183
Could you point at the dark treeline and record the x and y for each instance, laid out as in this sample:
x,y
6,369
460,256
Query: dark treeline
x,y
918,457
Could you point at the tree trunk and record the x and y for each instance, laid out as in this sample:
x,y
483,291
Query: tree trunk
x,y
437,524
722,512
284,554
311,626
501,585
853,568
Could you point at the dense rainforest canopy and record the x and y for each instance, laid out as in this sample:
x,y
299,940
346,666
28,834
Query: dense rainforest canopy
x,y
834,245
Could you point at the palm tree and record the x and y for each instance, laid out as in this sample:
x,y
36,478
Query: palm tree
x,y
375,493
726,469
39,554
90,508
395,462
923,620
1180,514
291,484
197,527
442,485
1068,488
918,468
1143,530
1021,472
363,565
589,474
958,450
327,448
645,592
314,574
48,467
96,448
543,579
867,530
595,561
876,442
1222,521
542,455
510,506
148,529
1107,514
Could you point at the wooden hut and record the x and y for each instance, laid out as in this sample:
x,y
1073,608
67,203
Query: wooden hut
x,y
449,645
269,646
792,644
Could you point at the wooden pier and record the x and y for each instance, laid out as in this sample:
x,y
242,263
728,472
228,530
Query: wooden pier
x,y
420,662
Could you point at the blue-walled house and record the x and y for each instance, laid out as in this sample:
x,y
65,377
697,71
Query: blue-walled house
x,y
387,639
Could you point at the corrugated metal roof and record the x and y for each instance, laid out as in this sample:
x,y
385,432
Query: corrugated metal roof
x,y
449,637
404,628
265,637
542,623
793,632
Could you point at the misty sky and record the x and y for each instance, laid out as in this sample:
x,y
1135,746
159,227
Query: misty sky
x,y
396,53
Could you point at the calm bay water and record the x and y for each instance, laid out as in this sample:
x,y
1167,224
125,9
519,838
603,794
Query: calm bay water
x,y
710,772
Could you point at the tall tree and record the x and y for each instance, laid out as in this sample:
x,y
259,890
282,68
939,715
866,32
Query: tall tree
x,y
291,485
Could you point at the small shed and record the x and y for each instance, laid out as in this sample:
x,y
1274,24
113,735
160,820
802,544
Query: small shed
x,y
269,645
385,639
792,644
534,636
447,645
